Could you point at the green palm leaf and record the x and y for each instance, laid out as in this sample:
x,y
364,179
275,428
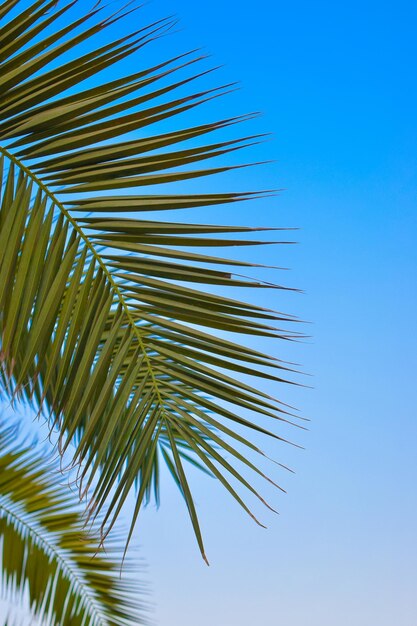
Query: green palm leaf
x,y
102,324
46,555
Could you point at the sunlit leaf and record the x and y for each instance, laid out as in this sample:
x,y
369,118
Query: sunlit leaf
x,y
115,328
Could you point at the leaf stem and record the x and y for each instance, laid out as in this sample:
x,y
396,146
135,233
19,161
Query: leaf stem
x,y
115,287
67,566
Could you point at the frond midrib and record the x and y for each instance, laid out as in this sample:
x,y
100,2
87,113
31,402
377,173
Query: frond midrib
x,y
94,609
90,245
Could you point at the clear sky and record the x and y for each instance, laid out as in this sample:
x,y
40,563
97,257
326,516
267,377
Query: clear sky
x,y
336,83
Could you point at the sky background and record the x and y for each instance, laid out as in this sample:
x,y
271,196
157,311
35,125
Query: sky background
x,y
337,89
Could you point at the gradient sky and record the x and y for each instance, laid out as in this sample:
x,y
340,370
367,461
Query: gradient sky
x,y
337,88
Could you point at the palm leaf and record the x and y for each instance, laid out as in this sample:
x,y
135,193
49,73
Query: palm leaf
x,y
103,325
47,557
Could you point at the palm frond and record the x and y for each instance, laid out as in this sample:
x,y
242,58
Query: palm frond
x,y
101,324
48,559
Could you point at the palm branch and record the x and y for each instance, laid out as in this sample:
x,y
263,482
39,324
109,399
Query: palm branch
x,y
47,554
110,323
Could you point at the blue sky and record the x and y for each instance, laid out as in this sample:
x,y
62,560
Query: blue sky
x,y
336,87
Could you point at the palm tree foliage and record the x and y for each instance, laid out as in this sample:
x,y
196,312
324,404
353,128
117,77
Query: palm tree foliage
x,y
46,552
105,324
